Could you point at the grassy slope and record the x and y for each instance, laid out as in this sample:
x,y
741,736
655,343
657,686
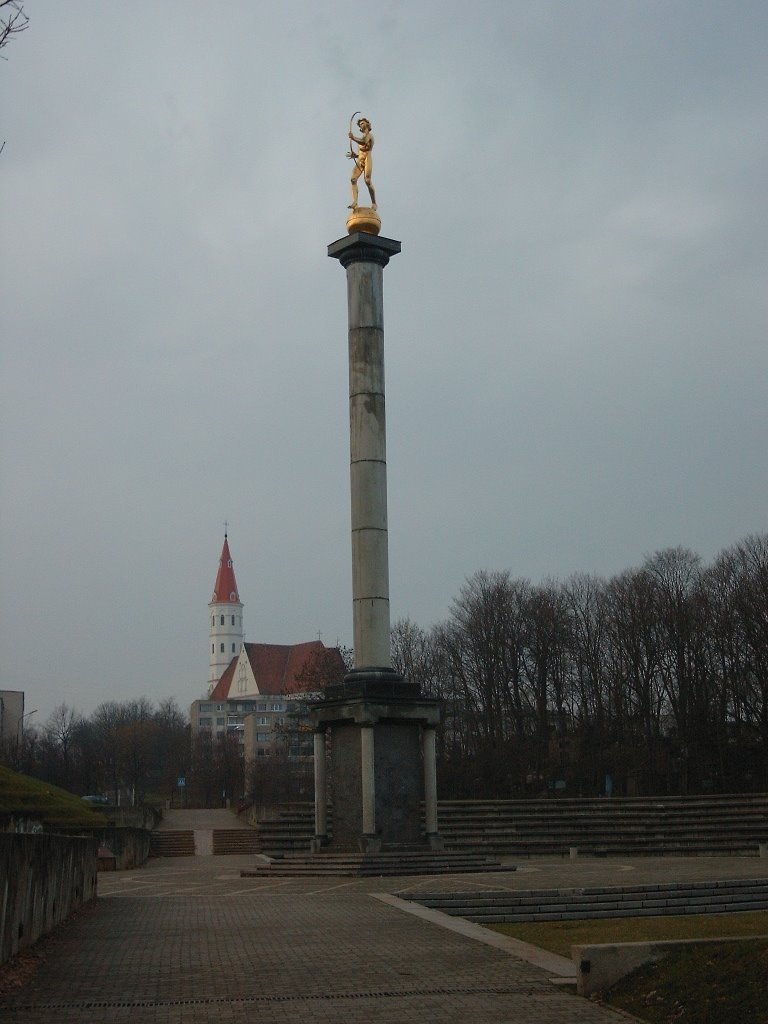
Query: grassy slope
x,y
718,984
559,936
24,797
722,984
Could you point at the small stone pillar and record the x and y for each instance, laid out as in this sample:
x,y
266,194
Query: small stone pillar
x,y
429,755
370,842
321,792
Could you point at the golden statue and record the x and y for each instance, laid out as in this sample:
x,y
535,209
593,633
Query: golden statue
x,y
362,218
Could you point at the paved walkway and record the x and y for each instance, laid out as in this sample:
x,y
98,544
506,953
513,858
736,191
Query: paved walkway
x,y
190,942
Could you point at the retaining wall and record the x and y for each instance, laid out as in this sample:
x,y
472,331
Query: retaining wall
x,y
598,967
43,879
129,845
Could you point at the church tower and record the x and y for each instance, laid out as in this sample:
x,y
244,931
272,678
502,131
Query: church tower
x,y
226,618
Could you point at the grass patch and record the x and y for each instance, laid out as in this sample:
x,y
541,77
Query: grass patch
x,y
25,797
721,983
559,936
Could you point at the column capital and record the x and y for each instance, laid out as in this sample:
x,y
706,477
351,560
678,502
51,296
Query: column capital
x,y
361,247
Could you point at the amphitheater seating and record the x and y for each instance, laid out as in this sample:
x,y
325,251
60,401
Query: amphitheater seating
x,y
657,900
724,825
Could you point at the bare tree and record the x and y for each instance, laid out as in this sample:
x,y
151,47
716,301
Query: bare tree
x,y
13,20
59,740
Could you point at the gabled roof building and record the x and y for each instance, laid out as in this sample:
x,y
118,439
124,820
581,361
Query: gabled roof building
x,y
267,681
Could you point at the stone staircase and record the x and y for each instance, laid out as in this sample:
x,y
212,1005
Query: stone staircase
x,y
180,843
631,826
366,865
725,825
219,842
290,831
621,901
228,842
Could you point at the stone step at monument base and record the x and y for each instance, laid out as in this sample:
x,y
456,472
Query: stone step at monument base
x,y
658,900
386,863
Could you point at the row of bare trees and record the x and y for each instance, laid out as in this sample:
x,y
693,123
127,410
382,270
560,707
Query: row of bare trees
x,y
653,681
125,750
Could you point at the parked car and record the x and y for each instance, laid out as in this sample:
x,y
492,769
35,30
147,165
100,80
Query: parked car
x,y
95,799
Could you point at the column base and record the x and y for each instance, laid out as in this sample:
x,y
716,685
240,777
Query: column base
x,y
318,843
435,841
368,843
377,683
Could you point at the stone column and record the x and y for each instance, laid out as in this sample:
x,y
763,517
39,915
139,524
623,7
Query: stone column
x,y
364,257
321,790
368,786
428,736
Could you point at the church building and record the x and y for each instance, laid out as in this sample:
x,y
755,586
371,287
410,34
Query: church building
x,y
254,689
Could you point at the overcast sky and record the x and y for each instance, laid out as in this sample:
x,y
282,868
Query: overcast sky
x,y
576,347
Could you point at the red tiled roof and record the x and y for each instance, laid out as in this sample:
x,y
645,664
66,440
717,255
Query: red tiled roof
x,y
221,689
275,667
225,587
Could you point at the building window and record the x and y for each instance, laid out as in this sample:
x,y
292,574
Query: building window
x,y
213,648
262,737
276,707
213,620
205,723
233,620
262,720
219,721
222,620
206,707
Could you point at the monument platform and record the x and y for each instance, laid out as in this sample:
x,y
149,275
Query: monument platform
x,y
390,863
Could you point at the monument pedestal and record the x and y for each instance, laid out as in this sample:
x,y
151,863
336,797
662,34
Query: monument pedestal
x,y
382,749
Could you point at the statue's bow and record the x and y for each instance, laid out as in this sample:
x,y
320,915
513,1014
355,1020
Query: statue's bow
x,y
352,153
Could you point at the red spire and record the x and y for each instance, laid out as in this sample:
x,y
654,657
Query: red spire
x,y
225,587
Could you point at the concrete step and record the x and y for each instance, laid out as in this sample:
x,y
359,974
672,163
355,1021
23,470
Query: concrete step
x,y
418,862
726,825
227,842
625,901
172,843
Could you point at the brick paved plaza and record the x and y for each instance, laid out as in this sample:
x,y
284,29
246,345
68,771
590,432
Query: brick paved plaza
x,y
189,940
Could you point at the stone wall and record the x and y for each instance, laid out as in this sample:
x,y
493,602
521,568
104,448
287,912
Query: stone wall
x,y
134,817
129,845
43,879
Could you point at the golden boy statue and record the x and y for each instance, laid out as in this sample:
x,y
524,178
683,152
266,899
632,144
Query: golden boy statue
x,y
363,160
